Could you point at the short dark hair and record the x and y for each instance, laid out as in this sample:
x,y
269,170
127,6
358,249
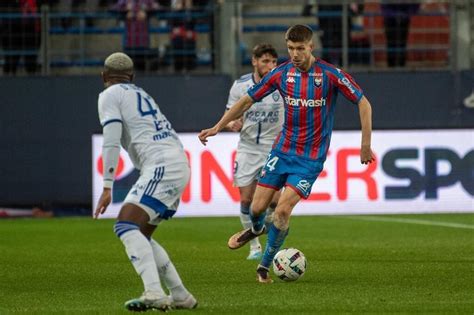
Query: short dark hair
x,y
262,49
299,33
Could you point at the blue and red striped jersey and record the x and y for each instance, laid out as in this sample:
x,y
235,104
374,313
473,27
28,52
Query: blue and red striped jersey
x,y
310,102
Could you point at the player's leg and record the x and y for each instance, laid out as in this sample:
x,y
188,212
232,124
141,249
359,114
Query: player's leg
x,y
261,200
298,185
271,209
180,296
131,220
246,196
247,168
166,204
272,178
277,232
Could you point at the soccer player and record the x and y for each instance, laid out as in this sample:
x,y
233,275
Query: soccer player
x,y
131,117
258,127
309,87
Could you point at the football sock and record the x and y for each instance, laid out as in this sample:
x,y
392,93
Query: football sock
x,y
168,272
257,222
247,223
275,239
140,253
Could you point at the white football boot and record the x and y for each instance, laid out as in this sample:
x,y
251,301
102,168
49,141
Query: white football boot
x,y
188,303
149,301
255,252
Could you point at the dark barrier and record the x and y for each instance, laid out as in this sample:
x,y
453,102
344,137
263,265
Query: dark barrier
x,y
47,123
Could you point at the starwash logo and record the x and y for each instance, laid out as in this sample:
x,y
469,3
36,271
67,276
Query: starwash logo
x,y
305,102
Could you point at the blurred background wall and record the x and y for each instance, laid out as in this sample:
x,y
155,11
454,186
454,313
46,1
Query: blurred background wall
x,y
415,64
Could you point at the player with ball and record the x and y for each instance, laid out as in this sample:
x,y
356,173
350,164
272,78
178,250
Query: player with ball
x,y
309,87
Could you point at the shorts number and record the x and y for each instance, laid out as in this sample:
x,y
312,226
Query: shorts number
x,y
271,163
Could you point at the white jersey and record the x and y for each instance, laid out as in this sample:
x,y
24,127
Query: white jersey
x,y
147,135
261,122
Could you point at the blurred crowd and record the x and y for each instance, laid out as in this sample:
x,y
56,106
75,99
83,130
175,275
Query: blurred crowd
x,y
20,33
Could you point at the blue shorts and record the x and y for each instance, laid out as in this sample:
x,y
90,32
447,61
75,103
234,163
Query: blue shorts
x,y
293,171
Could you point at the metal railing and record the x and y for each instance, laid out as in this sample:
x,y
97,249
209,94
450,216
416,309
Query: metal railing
x,y
72,44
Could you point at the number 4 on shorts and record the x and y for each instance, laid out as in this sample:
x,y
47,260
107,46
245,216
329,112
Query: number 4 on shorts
x,y
271,162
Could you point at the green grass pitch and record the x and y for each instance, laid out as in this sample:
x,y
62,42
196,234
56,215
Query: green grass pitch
x,y
57,266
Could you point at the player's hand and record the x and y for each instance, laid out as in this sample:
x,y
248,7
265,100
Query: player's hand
x,y
236,125
206,133
103,203
366,155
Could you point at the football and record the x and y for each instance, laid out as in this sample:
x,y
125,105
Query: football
x,y
289,264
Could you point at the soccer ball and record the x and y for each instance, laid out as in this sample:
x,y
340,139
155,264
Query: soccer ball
x,y
289,264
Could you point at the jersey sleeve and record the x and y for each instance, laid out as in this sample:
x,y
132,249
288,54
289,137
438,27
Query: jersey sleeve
x,y
234,95
111,152
266,86
109,108
347,86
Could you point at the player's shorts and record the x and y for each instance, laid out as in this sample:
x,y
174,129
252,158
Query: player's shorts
x,y
292,171
247,167
158,190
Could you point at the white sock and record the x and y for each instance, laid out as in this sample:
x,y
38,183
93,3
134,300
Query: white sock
x,y
247,223
168,272
140,253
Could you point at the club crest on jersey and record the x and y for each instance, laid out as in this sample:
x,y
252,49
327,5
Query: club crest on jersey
x,y
318,81
276,96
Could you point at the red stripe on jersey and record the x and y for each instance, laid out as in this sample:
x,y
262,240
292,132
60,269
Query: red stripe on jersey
x,y
303,124
317,129
275,143
328,109
290,88
264,89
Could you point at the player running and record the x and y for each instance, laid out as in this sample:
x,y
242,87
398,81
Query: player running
x,y
131,117
309,87
258,127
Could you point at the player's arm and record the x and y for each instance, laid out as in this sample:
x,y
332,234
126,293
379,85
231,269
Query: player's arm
x,y
110,156
234,125
111,120
236,111
352,91
365,113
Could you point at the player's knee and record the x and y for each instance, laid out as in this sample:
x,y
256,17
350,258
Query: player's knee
x,y
122,227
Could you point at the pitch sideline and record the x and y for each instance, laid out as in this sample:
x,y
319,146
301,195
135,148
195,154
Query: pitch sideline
x,y
409,221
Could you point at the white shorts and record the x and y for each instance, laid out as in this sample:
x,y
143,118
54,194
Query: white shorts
x,y
158,190
247,168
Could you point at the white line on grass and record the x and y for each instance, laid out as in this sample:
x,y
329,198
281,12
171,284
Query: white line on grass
x,y
410,221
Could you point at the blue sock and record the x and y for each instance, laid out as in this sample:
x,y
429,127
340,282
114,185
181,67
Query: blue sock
x,y
257,222
275,239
